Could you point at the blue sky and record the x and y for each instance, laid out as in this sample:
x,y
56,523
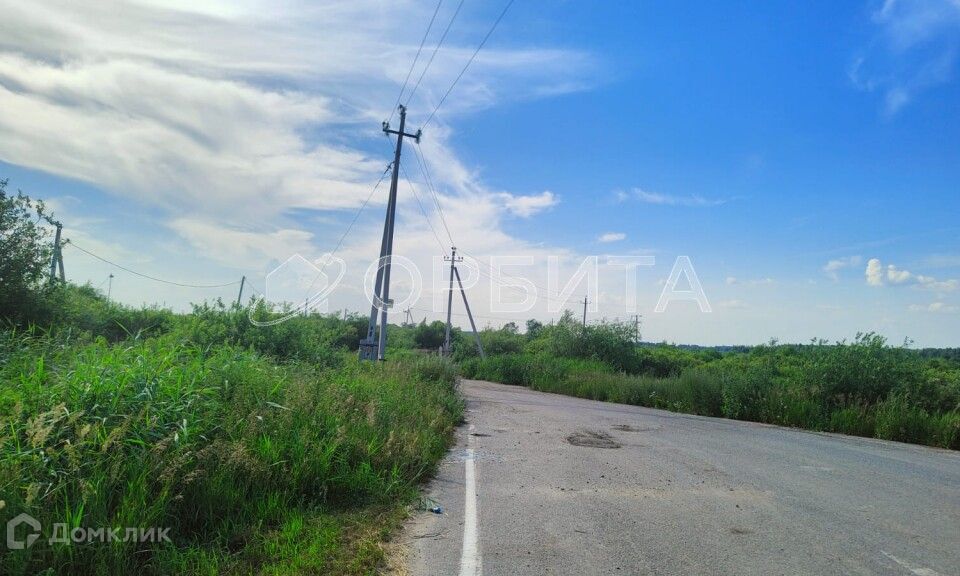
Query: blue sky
x,y
805,156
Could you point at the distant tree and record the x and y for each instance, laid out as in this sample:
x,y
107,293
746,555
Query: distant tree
x,y
24,254
429,336
533,328
510,328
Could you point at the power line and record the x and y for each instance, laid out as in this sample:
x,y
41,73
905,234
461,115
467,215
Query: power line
x,y
350,226
422,162
422,209
435,50
154,278
415,58
469,62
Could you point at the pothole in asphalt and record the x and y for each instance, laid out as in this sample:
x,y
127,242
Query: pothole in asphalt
x,y
592,439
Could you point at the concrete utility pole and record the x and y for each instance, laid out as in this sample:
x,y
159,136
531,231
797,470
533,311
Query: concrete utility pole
x,y
243,280
473,325
636,328
408,317
371,347
584,311
109,286
453,261
56,260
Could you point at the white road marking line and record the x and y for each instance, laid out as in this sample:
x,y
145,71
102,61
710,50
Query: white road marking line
x,y
917,570
470,564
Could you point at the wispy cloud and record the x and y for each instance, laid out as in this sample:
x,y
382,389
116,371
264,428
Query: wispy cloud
x,y
915,49
612,237
935,308
833,267
667,199
263,116
734,281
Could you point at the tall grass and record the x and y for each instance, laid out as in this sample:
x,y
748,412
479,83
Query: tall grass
x,y
250,464
864,387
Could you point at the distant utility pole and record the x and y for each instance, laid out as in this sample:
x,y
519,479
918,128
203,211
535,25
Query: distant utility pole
x,y
370,347
56,260
473,325
453,261
408,318
584,311
243,280
109,286
636,328
455,273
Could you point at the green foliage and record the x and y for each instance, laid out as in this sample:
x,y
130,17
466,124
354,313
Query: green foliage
x,y
312,339
229,450
25,253
863,387
429,336
84,308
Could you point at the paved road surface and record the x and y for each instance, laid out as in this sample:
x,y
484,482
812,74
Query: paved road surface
x,y
680,495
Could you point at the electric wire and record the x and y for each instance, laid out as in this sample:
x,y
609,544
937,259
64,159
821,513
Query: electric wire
x,y
422,162
305,306
147,276
469,62
435,50
415,59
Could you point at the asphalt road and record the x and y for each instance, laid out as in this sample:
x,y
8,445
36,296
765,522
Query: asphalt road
x,y
676,494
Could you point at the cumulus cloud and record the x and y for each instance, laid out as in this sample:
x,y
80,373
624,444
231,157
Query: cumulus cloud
x,y
874,272
877,275
611,237
526,206
833,267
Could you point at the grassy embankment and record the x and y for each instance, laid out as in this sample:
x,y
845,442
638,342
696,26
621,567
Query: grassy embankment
x,y
267,451
864,387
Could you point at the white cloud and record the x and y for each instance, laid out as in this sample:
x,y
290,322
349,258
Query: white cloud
x,y
238,248
935,307
668,200
612,237
914,50
526,206
878,276
733,281
874,272
833,267
277,108
897,276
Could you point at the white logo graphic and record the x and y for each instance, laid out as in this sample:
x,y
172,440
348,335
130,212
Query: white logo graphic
x,y
15,544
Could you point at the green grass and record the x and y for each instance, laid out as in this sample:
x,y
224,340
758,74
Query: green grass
x,y
256,467
864,388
